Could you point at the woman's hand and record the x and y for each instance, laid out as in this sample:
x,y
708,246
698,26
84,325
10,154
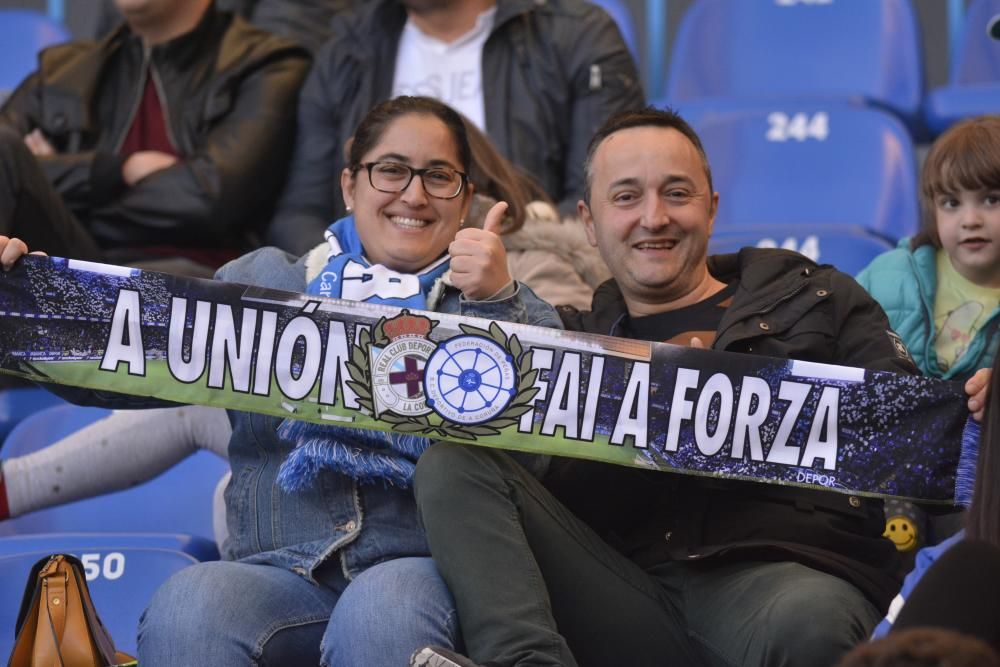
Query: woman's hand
x,y
478,258
978,390
11,250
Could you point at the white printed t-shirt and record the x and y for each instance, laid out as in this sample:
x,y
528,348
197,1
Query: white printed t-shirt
x,y
448,71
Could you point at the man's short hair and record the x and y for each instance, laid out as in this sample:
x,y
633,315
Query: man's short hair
x,y
648,117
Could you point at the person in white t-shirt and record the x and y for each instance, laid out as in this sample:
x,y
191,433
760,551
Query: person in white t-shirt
x,y
537,77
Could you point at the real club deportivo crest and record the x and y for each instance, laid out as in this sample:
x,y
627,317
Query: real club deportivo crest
x,y
397,371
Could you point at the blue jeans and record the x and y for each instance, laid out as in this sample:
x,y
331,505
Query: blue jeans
x,y
232,613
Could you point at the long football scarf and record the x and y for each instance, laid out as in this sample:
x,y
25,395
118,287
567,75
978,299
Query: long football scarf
x,y
380,368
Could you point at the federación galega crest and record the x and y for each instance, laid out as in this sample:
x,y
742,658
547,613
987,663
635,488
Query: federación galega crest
x,y
470,385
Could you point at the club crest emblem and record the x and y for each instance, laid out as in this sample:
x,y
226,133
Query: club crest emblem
x,y
469,386
398,368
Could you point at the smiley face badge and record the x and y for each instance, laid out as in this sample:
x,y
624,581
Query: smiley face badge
x,y
901,525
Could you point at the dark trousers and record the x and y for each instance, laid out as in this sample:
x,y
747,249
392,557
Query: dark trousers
x,y
534,585
32,210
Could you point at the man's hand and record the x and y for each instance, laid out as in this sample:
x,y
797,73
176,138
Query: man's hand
x,y
12,250
978,390
478,258
38,144
141,164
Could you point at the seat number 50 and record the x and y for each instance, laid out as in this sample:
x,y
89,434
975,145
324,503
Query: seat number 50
x,y
110,566
797,127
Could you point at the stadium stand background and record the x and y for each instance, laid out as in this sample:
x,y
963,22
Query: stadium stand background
x,y
81,17
121,591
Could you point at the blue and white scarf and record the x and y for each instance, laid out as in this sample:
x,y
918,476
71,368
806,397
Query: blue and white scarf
x,y
366,456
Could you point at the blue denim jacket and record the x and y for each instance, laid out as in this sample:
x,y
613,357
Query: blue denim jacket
x,y
363,523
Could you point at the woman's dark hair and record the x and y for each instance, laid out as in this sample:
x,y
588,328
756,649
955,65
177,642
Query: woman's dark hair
x,y
497,178
966,157
374,124
983,519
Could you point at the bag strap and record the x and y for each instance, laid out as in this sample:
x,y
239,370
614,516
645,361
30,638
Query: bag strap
x,y
29,592
54,588
102,638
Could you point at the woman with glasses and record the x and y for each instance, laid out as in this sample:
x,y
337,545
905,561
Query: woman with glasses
x,y
325,561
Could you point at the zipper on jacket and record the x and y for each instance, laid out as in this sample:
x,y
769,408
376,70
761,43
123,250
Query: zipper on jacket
x,y
596,78
135,104
148,70
780,300
164,106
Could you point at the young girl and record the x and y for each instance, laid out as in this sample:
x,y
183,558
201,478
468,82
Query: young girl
x,y
941,289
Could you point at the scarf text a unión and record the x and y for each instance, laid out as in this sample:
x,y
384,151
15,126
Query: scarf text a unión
x,y
743,417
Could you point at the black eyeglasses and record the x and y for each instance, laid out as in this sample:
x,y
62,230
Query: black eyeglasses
x,y
393,177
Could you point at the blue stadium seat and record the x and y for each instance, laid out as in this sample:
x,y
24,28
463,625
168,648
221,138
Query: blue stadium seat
x,y
974,80
16,404
23,33
623,17
796,165
123,571
848,247
178,501
777,50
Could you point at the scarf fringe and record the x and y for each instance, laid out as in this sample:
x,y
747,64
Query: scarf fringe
x,y
308,460
370,456
965,474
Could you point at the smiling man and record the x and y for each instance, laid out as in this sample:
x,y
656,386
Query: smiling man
x,y
602,565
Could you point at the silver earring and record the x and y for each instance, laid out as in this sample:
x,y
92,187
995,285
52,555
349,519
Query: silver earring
x,y
461,222
348,208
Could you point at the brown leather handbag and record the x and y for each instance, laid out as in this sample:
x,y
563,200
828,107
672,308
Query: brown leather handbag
x,y
57,625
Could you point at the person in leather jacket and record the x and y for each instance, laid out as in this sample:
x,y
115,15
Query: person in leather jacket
x,y
551,72
168,138
600,564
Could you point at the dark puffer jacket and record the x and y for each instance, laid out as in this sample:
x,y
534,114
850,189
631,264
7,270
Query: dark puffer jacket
x,y
553,71
228,91
785,306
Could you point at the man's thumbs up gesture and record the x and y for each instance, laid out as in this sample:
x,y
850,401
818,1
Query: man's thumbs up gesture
x,y
478,258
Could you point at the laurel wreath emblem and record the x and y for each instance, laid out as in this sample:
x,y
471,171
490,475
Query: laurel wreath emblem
x,y
358,367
